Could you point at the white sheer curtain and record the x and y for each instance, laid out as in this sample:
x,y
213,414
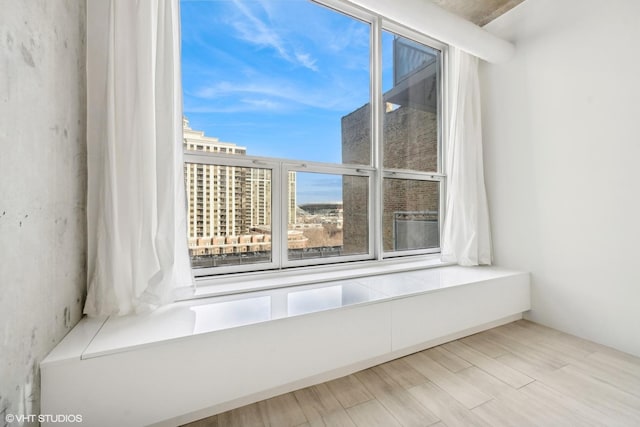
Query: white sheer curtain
x,y
466,237
137,248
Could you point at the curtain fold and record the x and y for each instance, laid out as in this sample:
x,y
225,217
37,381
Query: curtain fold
x,y
137,238
466,236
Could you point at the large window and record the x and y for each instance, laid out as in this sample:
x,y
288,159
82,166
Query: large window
x,y
311,136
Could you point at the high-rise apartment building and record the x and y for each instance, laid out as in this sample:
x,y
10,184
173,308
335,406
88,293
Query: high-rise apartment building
x,y
226,201
218,197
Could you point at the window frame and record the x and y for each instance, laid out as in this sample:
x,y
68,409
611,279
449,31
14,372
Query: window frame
x,y
433,176
375,172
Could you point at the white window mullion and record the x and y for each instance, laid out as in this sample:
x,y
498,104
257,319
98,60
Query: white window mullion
x,y
376,208
279,185
443,133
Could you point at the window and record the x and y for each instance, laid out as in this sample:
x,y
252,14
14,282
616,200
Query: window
x,y
311,136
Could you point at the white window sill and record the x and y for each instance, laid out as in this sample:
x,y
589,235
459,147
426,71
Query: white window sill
x,y
263,280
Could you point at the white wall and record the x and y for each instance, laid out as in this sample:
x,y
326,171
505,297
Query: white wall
x,y
562,152
42,189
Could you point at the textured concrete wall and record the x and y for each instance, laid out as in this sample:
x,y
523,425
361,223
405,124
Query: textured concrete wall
x,y
42,189
479,12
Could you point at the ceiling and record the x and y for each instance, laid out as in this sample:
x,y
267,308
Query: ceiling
x,y
479,12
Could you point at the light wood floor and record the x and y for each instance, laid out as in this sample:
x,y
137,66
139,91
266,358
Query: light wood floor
x,y
520,374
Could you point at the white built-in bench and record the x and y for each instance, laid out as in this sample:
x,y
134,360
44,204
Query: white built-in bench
x,y
199,357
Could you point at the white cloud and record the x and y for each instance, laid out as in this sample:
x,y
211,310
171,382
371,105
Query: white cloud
x,y
228,89
263,104
333,98
255,30
307,61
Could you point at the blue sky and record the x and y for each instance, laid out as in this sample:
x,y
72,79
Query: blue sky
x,y
275,76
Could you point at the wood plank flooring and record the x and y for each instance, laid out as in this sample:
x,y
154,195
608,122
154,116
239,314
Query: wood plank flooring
x,y
519,374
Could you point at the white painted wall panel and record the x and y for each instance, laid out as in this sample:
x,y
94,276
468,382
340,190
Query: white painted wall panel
x,y
561,134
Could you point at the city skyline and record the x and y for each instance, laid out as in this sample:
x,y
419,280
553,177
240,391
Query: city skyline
x,y
316,188
229,210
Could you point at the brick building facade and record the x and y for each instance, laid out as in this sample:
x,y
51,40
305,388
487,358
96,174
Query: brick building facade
x,y
410,138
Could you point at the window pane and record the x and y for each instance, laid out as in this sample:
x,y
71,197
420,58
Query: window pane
x,y
290,80
410,215
410,92
331,218
276,77
229,214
